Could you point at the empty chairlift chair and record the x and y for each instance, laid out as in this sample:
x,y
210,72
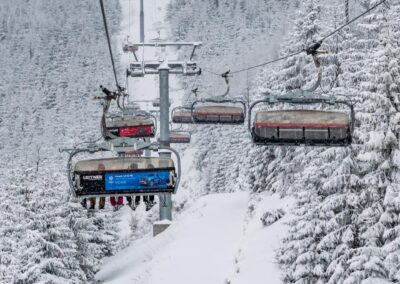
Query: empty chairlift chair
x,y
124,176
182,115
179,137
297,126
301,127
129,125
126,47
156,102
219,111
176,136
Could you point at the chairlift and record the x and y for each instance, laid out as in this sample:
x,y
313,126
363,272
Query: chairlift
x,y
127,122
299,126
120,176
124,175
128,47
179,137
219,110
133,124
156,102
182,115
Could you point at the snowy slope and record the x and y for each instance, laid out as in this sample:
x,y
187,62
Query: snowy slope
x,y
213,241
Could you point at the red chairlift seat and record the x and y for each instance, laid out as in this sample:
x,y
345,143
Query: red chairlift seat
x,y
122,176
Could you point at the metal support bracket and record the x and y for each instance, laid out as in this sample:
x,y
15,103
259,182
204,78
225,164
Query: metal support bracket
x,y
151,67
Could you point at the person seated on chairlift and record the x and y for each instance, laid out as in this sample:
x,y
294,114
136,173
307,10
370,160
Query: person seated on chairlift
x,y
148,199
92,200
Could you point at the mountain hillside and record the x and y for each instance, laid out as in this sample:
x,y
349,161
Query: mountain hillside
x,y
243,213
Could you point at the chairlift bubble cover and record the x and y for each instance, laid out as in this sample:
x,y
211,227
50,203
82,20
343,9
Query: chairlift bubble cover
x,y
301,126
130,126
113,176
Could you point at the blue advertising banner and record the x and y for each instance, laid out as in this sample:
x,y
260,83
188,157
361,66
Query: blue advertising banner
x,y
137,180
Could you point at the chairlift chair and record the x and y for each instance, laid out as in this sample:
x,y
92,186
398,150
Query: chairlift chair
x,y
132,124
120,176
220,111
127,46
156,102
299,126
182,115
126,123
179,137
124,175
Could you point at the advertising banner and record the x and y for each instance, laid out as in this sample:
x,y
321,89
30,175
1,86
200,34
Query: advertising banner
x,y
137,180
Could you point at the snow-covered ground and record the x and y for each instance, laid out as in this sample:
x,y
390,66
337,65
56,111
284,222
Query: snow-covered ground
x,y
215,240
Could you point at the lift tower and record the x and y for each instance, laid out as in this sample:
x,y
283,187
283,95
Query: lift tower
x,y
141,22
163,68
